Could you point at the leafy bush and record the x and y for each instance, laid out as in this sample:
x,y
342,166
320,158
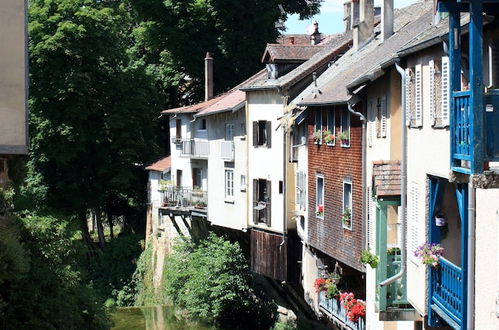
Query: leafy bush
x,y
41,283
212,280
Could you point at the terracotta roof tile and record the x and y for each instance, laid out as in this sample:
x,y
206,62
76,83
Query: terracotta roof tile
x,y
161,165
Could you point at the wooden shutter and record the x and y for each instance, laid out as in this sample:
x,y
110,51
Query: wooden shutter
x,y
269,200
445,91
268,130
384,115
371,222
418,95
408,96
256,213
255,133
432,100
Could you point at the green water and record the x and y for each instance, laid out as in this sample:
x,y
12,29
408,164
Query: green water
x,y
153,318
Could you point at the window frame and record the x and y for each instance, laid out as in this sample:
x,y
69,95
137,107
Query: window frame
x,y
229,184
346,113
203,125
229,132
319,176
347,182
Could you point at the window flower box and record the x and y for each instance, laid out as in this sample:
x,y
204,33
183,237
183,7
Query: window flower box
x,y
347,218
329,137
344,138
319,212
317,136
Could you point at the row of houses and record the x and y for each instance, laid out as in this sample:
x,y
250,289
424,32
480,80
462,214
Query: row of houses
x,y
355,149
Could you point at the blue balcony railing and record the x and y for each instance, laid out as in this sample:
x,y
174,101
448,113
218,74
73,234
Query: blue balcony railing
x,y
462,139
333,309
447,289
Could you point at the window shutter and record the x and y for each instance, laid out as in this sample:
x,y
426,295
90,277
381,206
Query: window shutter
x,y
268,129
370,123
445,91
431,82
255,201
371,221
255,133
269,199
384,114
415,221
408,96
418,95
399,227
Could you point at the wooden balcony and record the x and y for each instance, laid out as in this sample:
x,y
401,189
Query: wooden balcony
x,y
184,200
333,309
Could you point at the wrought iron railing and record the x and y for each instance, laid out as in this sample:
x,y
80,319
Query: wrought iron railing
x,y
462,131
334,309
195,148
227,150
447,288
184,197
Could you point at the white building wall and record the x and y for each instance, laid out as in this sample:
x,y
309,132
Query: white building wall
x,y
428,154
266,163
224,211
179,162
302,166
487,259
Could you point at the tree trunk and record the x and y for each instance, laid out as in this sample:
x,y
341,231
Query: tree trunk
x,y
110,222
100,228
86,235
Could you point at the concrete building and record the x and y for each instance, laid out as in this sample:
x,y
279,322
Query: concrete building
x,y
13,83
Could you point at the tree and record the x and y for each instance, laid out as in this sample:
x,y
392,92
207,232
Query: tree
x,y
93,109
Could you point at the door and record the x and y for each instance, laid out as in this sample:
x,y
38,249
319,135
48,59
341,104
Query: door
x,y
179,178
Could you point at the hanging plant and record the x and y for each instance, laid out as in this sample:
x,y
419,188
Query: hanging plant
x,y
367,258
429,254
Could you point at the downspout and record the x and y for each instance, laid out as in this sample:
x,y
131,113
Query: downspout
x,y
284,179
471,256
364,150
403,185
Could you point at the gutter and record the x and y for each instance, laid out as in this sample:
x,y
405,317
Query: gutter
x,y
471,256
364,151
403,186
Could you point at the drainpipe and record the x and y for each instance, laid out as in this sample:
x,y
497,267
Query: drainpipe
x,y
471,256
284,179
364,129
403,185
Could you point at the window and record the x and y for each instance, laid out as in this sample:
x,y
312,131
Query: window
x,y
197,177
381,114
178,131
301,186
262,133
346,218
179,178
300,135
319,197
262,197
202,124
281,187
229,132
243,131
344,136
324,127
243,182
229,184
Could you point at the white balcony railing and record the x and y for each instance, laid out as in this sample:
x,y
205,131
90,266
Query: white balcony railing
x,y
227,150
195,148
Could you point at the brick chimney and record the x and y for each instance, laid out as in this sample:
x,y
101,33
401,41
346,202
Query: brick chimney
x,y
386,19
208,76
315,38
364,30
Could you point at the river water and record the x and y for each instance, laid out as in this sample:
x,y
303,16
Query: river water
x,y
153,318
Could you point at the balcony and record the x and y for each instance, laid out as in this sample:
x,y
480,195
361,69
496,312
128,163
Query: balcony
x,y
195,148
333,309
446,282
227,150
182,198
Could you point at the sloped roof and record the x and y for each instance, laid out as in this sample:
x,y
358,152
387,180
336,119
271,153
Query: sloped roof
x,y
332,84
161,165
193,108
386,176
232,100
289,53
335,45
294,39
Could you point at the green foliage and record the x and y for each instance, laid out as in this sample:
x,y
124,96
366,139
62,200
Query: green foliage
x,y
284,326
211,279
5,199
41,284
368,258
115,265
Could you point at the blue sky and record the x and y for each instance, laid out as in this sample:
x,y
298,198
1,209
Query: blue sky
x,y
331,17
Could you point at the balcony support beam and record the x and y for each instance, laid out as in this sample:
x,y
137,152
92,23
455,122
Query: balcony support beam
x,y
455,64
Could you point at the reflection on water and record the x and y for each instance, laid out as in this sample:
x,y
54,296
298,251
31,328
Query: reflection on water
x,y
153,318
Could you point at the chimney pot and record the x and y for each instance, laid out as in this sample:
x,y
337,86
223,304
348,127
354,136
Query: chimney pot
x,y
208,76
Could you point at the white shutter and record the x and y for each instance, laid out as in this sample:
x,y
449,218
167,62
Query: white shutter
x,y
370,123
384,114
408,96
418,96
399,227
304,191
371,222
414,223
445,91
431,82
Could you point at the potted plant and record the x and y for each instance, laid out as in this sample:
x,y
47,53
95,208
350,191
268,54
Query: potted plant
x,y
440,219
200,205
344,138
320,284
429,253
317,136
347,217
335,277
328,137
367,258
356,308
319,211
